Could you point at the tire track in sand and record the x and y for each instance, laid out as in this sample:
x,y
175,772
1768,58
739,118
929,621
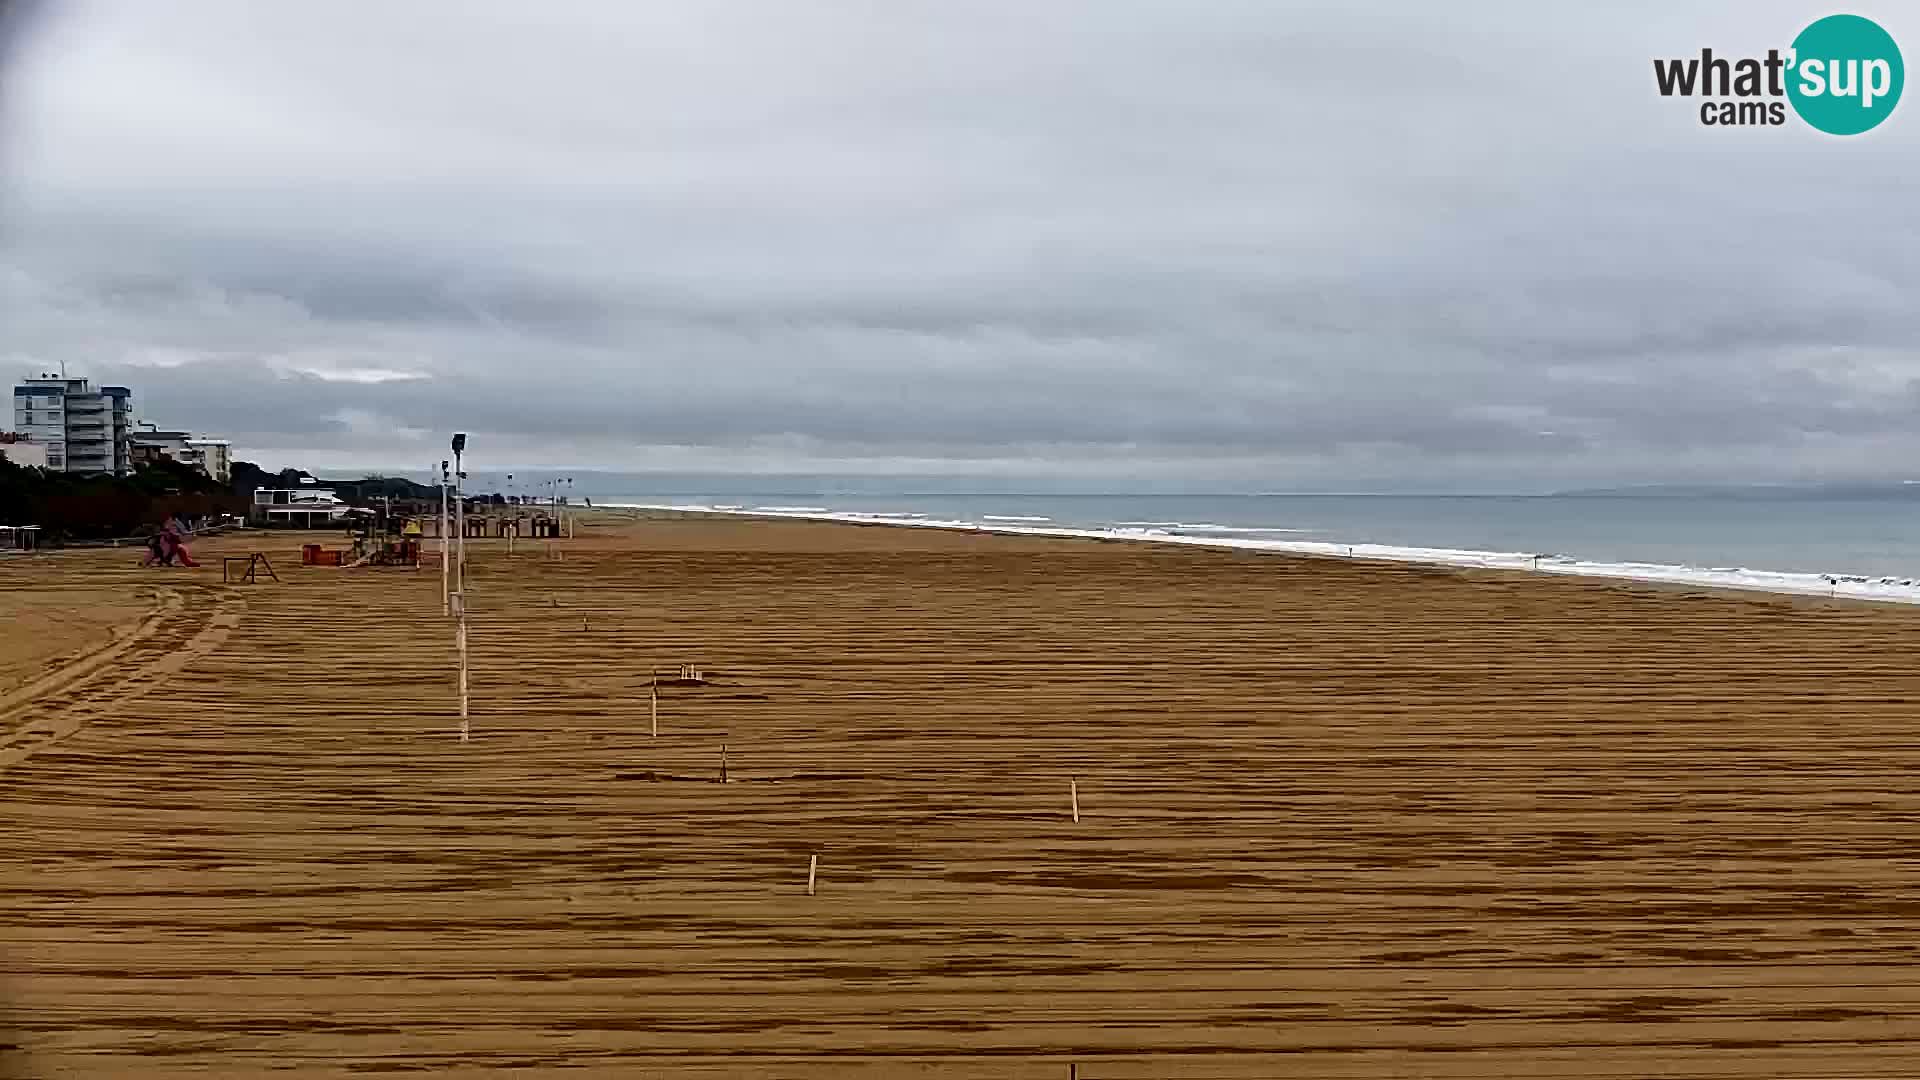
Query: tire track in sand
x,y
172,635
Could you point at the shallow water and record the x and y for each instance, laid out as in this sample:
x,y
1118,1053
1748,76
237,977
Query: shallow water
x,y
1874,537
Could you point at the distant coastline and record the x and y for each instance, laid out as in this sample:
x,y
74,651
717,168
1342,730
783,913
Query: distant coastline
x,y
1881,490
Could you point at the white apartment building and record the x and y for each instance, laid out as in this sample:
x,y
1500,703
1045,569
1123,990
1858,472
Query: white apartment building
x,y
211,456
84,430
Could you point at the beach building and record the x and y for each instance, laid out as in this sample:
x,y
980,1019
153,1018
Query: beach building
x,y
155,444
299,508
20,450
84,430
211,456
16,538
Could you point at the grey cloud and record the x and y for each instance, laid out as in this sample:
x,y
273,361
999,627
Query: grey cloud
x,y
1302,246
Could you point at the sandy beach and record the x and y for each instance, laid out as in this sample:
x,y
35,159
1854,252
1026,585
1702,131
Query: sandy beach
x,y
1337,818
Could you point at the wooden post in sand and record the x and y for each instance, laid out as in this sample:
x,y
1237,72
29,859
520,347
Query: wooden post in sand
x,y
723,763
460,643
653,699
1073,792
813,868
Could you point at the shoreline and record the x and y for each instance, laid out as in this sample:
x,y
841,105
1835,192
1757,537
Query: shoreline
x,y
1882,590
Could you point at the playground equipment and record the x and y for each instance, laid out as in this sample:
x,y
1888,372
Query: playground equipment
x,y
378,537
250,567
390,553
381,538
315,555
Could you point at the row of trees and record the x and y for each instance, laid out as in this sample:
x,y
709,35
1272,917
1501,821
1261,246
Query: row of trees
x,y
69,506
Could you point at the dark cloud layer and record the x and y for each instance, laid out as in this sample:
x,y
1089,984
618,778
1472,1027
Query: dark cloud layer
x,y
1321,246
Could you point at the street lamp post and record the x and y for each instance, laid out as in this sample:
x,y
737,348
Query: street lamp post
x,y
460,592
459,518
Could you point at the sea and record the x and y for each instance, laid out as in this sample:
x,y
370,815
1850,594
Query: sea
x,y
1860,546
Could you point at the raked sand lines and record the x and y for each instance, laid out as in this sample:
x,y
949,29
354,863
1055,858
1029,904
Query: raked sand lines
x,y
1336,820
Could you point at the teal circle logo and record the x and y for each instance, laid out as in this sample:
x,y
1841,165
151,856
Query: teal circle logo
x,y
1846,74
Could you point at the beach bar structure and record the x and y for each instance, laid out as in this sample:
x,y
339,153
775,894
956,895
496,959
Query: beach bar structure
x,y
483,520
19,537
299,508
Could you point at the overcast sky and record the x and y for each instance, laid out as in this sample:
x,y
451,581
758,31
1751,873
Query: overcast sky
x,y
1242,245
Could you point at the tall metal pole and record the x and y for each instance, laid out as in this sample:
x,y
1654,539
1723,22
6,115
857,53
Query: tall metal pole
x,y
446,605
459,527
460,591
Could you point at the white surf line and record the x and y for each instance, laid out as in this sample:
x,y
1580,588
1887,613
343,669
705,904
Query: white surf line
x,y
1843,586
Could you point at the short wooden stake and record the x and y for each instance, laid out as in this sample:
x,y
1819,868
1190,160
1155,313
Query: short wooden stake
x,y
723,763
1073,790
813,868
653,697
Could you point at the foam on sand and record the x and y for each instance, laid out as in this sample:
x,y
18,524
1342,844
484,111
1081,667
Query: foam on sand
x,y
1850,586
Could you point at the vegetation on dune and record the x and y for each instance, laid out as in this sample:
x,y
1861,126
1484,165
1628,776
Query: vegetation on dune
x,y
70,506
